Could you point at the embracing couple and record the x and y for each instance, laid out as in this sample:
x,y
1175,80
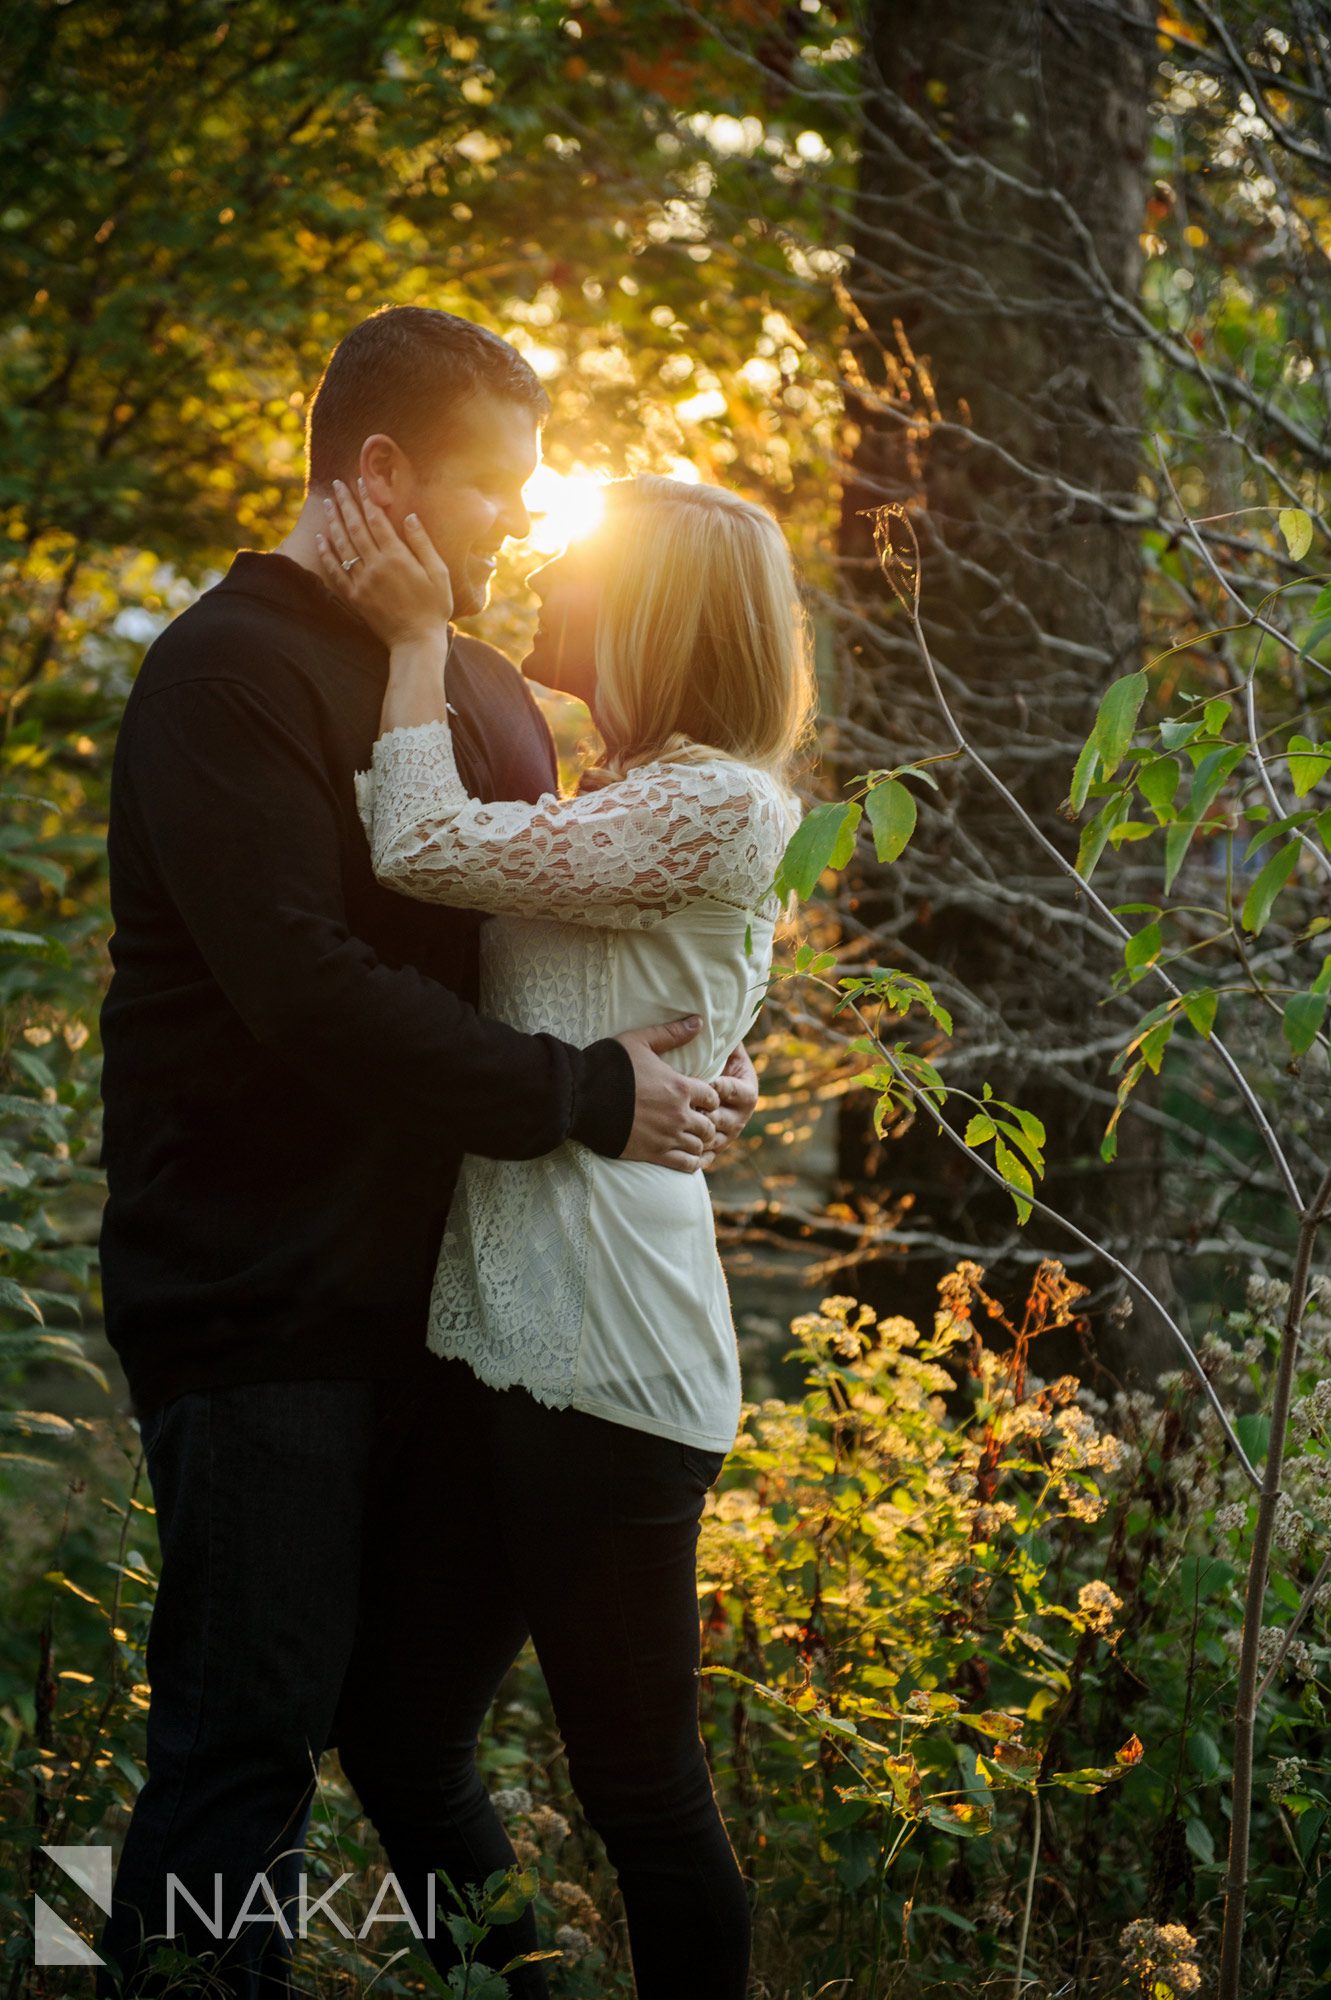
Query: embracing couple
x,y
411,1068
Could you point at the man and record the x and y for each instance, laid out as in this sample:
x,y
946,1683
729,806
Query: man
x,y
294,1068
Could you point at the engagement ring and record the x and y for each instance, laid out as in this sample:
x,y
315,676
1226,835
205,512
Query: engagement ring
x,y
351,562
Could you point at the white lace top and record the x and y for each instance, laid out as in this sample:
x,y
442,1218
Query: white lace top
x,y
593,1283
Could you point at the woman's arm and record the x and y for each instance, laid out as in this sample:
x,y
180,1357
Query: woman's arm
x,y
400,586
624,857
415,691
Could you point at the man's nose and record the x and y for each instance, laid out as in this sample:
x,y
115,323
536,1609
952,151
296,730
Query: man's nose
x,y
516,521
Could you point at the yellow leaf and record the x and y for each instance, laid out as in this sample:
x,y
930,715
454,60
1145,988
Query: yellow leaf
x,y
1297,529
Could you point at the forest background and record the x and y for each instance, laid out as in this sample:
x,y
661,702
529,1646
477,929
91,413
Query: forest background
x,y
1016,1585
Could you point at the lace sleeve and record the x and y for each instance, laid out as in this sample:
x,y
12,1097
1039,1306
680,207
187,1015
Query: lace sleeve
x,y
624,857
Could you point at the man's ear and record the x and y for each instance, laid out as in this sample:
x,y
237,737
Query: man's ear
x,y
383,467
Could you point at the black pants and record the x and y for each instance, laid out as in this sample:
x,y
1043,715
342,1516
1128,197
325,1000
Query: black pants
x,y
361,1564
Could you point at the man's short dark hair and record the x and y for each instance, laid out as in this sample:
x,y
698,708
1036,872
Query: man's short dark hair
x,y
409,371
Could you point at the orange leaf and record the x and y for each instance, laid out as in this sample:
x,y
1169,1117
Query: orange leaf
x,y
1131,1753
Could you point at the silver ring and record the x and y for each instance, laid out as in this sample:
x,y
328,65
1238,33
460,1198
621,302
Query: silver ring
x,y
351,562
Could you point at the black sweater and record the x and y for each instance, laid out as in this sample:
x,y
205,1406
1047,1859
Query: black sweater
x,y
293,1063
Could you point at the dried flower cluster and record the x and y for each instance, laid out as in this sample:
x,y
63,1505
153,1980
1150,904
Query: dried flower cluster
x,y
1161,1957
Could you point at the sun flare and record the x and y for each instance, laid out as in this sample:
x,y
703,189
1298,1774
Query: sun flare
x,y
568,506
564,506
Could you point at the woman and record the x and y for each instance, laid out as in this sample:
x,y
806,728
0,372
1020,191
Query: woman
x,y
580,1300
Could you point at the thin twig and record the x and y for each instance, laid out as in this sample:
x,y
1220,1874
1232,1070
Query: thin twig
x,y
1157,971
1030,1898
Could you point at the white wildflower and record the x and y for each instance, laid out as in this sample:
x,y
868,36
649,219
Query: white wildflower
x,y
1267,1295
1290,1529
573,1942
1269,1643
1285,1777
511,1802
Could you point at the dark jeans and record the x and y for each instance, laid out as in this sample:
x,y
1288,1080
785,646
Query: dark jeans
x,y
360,1564
599,1526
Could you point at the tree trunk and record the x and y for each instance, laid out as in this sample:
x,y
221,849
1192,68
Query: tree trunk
x,y
1001,200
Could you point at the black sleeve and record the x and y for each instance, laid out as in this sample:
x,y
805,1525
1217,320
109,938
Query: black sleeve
x,y
244,828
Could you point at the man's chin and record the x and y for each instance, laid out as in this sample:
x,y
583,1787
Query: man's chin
x,y
472,588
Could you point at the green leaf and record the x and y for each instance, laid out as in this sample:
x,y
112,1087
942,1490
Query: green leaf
x,y
1273,831
507,1895
825,839
960,1818
1017,1175
891,810
1032,1126
1144,948
1177,842
39,1423
1215,715
1086,1782
979,1129
917,771
1146,1023
1203,1753
1309,763
1303,1017
1158,781
477,1982
1258,902
1087,769
1200,1008
1210,776
1011,1765
851,816
1024,1143
1155,1042
1117,719
1174,735
1131,829
50,872
1297,529
27,944
1097,832
1253,1431
16,1299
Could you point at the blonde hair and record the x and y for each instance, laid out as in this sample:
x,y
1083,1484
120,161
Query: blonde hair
x,y
702,644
